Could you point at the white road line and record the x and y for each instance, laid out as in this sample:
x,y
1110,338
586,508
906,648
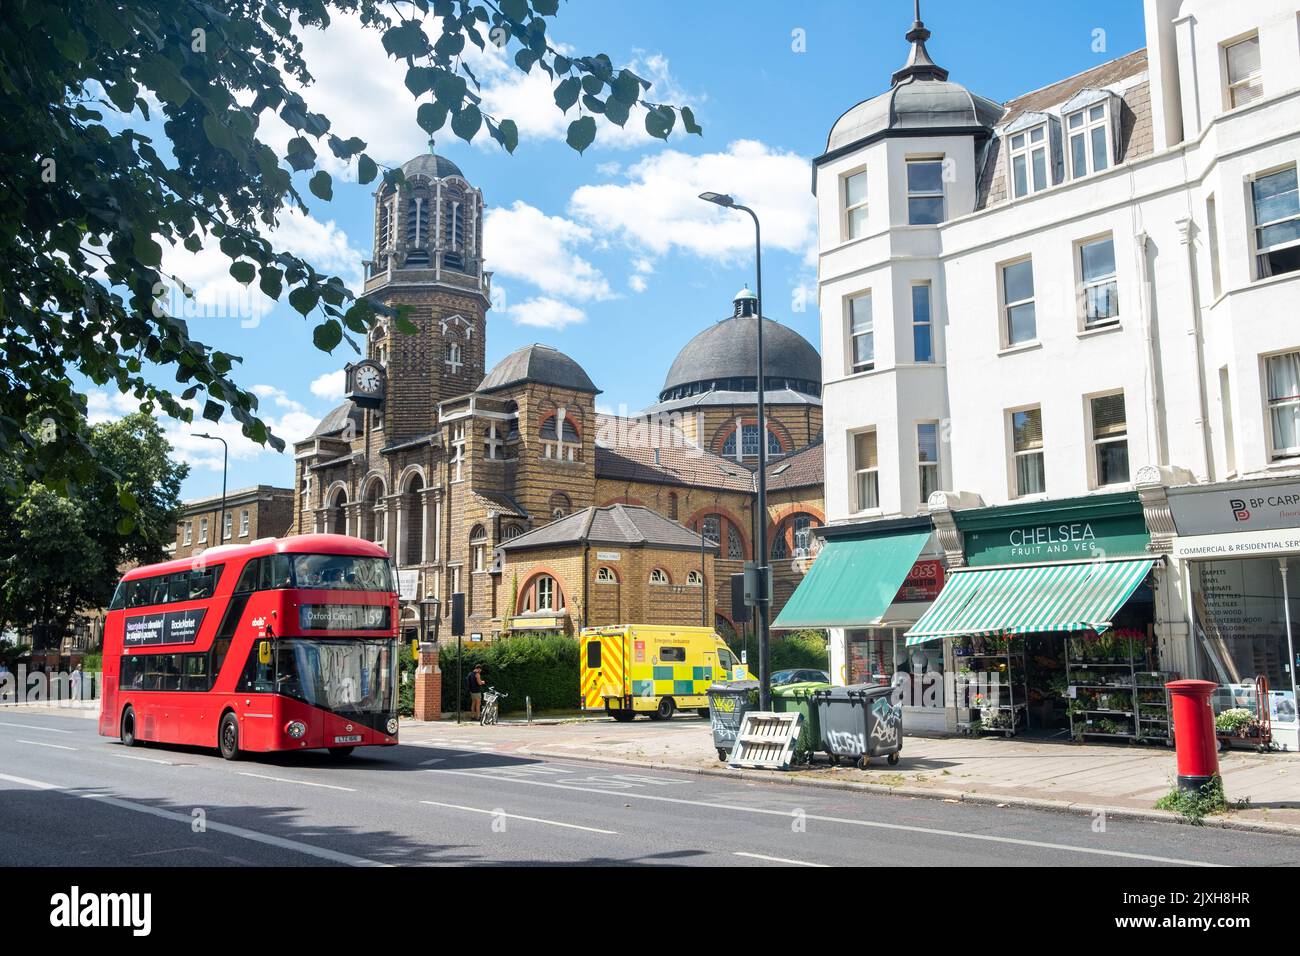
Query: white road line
x,y
929,831
252,835
37,743
431,760
165,763
52,730
515,816
779,859
305,783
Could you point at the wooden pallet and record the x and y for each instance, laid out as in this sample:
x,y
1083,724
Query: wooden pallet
x,y
766,740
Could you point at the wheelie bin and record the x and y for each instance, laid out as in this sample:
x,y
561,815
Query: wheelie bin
x,y
729,702
798,697
860,721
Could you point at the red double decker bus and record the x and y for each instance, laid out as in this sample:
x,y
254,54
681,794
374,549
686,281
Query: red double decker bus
x,y
283,644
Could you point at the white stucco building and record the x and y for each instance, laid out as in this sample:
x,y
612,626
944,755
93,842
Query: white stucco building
x,y
1086,297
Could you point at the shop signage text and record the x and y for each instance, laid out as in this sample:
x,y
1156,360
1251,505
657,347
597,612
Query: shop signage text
x,y
1122,536
1255,508
923,582
1239,545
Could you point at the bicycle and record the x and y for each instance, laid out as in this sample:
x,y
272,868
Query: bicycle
x,y
491,708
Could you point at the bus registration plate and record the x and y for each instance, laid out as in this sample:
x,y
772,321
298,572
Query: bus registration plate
x,y
349,739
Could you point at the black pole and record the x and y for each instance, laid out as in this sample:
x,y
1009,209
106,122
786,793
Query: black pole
x,y
761,558
704,583
225,461
460,679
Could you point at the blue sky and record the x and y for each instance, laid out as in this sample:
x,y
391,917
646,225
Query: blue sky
x,y
608,256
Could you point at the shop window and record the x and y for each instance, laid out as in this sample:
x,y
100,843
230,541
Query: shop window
x,y
922,324
659,576
1028,154
1019,320
1109,439
1283,375
1241,613
855,204
924,192
1027,448
862,336
1088,132
1244,70
880,655
1276,204
927,459
866,469
1099,289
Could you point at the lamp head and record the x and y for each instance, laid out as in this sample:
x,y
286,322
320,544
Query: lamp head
x,y
719,199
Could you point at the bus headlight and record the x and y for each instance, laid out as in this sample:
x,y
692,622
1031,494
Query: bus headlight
x,y
295,729
392,726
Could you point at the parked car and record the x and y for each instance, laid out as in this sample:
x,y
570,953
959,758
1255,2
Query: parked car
x,y
799,675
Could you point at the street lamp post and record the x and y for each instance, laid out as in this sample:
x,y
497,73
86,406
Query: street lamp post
x,y
428,609
225,458
760,507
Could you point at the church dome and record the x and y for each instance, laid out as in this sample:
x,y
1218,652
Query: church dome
x,y
724,357
920,98
337,421
432,166
541,365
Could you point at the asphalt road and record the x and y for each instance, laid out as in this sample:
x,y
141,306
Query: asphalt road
x,y
72,798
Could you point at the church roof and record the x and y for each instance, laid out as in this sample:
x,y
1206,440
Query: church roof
x,y
729,349
803,469
337,420
431,165
539,364
687,466
630,526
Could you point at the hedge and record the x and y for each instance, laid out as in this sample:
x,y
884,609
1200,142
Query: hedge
x,y
800,649
544,668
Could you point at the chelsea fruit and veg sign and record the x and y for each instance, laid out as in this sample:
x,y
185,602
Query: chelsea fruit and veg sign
x,y
1037,539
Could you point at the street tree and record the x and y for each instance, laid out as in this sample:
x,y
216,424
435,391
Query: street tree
x,y
61,551
90,202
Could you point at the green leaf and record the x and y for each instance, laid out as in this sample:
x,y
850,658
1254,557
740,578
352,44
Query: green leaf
x,y
515,10
303,299
212,411
271,282
566,93
366,169
616,111
582,132
327,335
406,39
467,122
688,121
126,501
659,121
431,116
243,272
509,137
125,525
193,243
321,186
450,89
147,250
300,154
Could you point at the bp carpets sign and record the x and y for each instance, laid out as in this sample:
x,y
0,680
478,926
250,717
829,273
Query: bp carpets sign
x,y
1074,539
1273,507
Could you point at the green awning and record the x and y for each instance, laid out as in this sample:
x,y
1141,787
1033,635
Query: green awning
x,y
1050,597
852,582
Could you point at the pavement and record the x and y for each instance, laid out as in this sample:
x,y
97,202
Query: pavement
x,y
450,795
1082,778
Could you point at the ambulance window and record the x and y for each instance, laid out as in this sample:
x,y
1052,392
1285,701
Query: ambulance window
x,y
593,654
725,658
672,654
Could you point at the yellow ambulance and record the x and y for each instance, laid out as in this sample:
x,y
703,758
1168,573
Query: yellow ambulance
x,y
653,669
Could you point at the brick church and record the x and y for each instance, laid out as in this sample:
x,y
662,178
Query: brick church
x,y
505,484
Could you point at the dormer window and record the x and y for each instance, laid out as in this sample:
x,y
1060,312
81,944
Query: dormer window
x,y
1029,161
924,192
1088,131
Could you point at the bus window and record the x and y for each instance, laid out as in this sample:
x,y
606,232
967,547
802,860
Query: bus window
x,y
274,572
248,577
220,647
258,678
119,597
195,676
179,587
672,655
593,653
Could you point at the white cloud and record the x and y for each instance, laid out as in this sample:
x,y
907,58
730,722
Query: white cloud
x,y
329,386
637,283
523,242
546,313
657,208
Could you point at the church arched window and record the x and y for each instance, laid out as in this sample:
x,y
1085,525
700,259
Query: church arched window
x,y
606,576
455,208
455,357
560,505
417,227
748,435
560,438
478,541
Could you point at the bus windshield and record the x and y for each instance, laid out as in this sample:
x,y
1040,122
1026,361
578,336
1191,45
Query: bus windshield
x,y
346,677
341,572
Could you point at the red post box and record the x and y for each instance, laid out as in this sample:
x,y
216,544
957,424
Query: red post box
x,y
1194,740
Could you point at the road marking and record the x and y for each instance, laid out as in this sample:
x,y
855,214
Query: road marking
x,y
305,783
431,760
874,824
51,730
252,835
779,859
165,763
515,816
37,743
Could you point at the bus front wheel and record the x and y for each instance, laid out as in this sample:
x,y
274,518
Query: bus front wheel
x,y
127,730
228,737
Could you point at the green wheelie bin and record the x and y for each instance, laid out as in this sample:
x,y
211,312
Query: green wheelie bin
x,y
789,698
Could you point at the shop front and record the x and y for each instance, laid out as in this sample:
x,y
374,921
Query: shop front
x,y
1238,552
871,581
1049,624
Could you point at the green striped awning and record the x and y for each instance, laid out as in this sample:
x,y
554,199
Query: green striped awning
x,y
1049,597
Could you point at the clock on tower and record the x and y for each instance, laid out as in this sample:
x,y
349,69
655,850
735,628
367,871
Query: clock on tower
x,y
365,383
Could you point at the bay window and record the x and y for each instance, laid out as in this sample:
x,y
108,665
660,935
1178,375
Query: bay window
x,y
1245,75
1283,378
924,192
1276,204
855,204
862,338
